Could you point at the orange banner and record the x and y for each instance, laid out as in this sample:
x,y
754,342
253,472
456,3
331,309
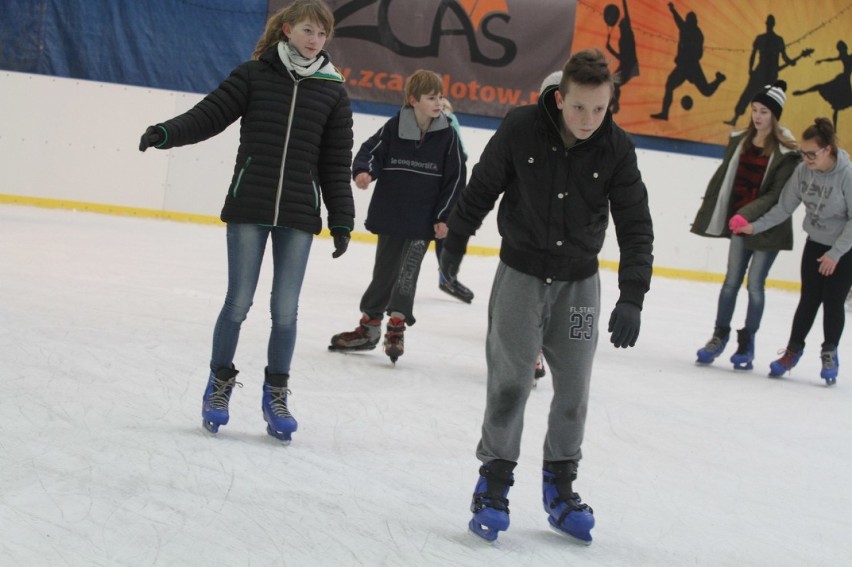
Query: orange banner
x,y
689,68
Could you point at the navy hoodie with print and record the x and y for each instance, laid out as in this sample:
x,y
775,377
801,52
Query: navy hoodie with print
x,y
418,175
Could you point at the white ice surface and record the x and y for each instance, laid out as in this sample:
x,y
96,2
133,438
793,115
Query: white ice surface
x,y
105,329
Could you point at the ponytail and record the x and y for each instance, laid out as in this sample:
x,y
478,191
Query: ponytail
x,y
822,130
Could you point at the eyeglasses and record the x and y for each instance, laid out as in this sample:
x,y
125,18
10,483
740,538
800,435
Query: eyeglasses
x,y
811,155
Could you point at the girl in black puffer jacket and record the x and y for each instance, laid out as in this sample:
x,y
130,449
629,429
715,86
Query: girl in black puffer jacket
x,y
295,153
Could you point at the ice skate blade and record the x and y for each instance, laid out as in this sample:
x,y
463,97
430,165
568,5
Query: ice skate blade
x,y
743,367
453,293
284,436
334,348
705,359
483,532
210,426
830,381
570,537
393,354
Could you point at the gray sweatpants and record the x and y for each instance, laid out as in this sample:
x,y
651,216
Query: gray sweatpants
x,y
526,315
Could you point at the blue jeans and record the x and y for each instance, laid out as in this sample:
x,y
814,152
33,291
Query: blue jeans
x,y
758,263
246,246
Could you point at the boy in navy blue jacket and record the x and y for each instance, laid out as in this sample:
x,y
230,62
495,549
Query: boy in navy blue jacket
x,y
418,164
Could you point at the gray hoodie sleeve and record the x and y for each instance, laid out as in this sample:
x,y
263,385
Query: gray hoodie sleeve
x,y
844,242
790,199
827,196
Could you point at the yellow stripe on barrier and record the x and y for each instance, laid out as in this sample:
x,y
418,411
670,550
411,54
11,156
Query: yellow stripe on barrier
x,y
673,273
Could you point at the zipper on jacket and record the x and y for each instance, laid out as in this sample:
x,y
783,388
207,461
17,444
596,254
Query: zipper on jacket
x,y
240,176
284,152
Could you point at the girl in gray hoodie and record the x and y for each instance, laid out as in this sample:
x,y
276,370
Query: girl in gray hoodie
x,y
823,182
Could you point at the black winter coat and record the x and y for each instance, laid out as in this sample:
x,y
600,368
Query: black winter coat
x,y
556,201
295,144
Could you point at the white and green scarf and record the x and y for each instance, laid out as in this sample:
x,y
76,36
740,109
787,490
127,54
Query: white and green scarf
x,y
296,63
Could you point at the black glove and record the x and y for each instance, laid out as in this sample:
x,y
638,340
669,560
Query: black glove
x,y
624,324
341,241
152,137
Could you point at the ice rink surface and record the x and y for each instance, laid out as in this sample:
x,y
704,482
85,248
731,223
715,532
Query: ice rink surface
x,y
105,330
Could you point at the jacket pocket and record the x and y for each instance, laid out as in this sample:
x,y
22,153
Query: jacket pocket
x,y
239,178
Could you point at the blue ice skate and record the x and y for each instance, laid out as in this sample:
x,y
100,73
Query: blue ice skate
x,y
217,395
712,349
743,358
789,359
567,514
280,423
830,366
490,505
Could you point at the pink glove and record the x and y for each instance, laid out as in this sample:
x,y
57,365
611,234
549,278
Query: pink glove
x,y
737,222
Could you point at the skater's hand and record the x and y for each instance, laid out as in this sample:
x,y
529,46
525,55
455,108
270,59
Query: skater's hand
x,y
744,229
826,265
736,223
624,324
363,180
440,230
341,241
153,136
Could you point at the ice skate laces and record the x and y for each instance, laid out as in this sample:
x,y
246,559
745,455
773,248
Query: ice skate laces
x,y
278,400
788,357
827,360
222,393
713,344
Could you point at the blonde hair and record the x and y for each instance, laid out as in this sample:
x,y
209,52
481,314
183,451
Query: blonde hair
x,y
315,11
423,82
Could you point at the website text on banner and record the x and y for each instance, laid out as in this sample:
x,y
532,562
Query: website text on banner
x,y
491,53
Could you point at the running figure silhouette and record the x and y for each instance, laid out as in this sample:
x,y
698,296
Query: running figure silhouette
x,y
690,50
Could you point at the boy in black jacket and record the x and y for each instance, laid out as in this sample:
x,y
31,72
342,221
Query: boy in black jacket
x,y
418,163
561,167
